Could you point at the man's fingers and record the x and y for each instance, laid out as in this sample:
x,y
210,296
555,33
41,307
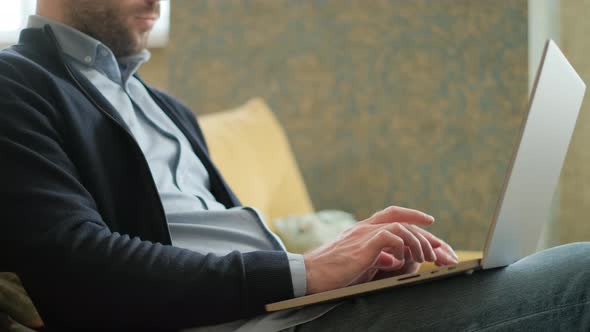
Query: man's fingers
x,y
429,253
433,240
399,214
386,262
383,238
444,258
447,248
408,266
409,239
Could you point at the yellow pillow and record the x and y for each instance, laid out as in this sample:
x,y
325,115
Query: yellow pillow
x,y
251,150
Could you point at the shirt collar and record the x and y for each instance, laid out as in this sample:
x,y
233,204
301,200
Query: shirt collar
x,y
91,52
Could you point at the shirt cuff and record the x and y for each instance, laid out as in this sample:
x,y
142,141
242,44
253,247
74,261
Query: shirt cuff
x,y
298,275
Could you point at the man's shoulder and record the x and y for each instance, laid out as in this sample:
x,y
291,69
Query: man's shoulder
x,y
26,65
12,63
28,85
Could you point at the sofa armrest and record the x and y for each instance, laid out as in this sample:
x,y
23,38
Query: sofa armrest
x,y
15,303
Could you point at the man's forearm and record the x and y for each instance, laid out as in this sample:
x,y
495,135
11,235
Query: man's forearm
x,y
109,280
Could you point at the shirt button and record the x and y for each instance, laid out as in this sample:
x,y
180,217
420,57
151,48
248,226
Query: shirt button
x,y
88,59
104,52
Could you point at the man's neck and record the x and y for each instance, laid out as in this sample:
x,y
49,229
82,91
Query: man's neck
x,y
52,9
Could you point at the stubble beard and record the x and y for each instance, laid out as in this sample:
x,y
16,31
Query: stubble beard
x,y
106,24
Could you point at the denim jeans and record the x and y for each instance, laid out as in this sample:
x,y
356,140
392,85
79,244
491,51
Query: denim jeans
x,y
547,291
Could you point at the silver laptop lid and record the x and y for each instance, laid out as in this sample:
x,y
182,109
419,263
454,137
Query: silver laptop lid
x,y
534,171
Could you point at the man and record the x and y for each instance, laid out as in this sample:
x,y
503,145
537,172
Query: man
x,y
115,218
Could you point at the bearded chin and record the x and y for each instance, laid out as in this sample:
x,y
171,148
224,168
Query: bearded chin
x,y
107,26
119,39
125,44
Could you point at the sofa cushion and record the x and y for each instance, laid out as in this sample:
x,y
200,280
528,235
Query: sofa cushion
x,y
15,302
303,233
251,150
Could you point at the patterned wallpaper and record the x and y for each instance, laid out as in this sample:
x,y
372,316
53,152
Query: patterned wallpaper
x,y
575,178
414,103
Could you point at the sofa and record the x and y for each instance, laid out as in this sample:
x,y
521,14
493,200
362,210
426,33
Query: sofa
x,y
252,151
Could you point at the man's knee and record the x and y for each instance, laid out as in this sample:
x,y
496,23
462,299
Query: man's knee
x,y
574,251
566,258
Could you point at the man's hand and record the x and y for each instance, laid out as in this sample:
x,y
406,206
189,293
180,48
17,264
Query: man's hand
x,y
388,243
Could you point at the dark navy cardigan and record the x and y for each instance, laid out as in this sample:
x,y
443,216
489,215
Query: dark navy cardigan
x,y
81,221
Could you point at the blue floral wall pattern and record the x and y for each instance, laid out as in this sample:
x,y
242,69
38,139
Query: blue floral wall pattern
x,y
413,103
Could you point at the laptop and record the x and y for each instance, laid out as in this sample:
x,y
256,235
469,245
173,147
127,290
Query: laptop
x,y
525,199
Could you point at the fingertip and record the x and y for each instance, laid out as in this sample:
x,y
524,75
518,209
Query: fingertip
x,y
434,257
450,259
429,218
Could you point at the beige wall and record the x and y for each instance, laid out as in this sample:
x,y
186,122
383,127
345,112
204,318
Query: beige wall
x,y
156,70
575,179
414,103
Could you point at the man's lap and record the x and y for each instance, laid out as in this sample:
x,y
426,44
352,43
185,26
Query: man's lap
x,y
549,290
